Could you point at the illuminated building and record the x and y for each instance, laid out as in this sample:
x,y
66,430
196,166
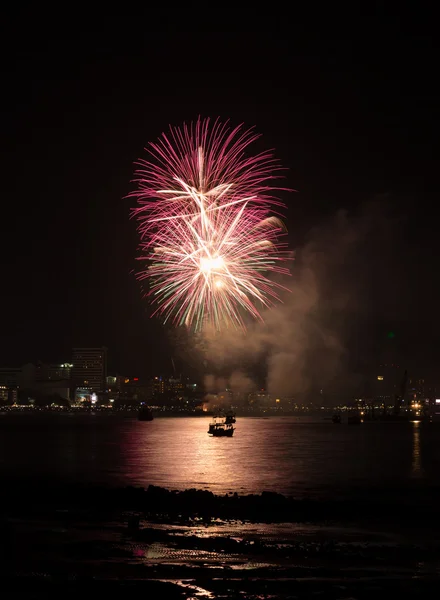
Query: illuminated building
x,y
8,395
129,391
388,382
173,385
176,385
116,382
260,399
40,378
10,376
4,394
416,388
9,382
89,370
53,372
158,386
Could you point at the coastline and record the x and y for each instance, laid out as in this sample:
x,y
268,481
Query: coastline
x,y
323,415
194,544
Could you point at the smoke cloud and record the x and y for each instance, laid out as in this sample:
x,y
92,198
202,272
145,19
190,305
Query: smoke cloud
x,y
311,341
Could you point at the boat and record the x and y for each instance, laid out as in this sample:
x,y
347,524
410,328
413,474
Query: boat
x,y
230,418
222,426
336,418
145,414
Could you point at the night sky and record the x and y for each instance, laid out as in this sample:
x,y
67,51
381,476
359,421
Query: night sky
x,y
352,113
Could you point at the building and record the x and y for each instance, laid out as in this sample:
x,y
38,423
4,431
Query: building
x,y
135,390
111,381
260,399
22,384
89,369
53,380
170,385
9,383
10,376
388,382
53,372
176,385
116,382
59,389
4,394
159,386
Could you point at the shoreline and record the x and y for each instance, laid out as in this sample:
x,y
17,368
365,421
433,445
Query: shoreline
x,y
323,415
193,544
160,504
158,414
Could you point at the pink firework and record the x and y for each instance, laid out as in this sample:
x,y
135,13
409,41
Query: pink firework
x,y
210,225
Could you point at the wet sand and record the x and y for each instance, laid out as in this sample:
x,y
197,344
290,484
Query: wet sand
x,y
197,545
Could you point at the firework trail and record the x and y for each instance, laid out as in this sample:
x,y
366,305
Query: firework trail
x,y
209,225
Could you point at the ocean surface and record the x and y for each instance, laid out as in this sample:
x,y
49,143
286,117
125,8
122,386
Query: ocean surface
x,y
298,456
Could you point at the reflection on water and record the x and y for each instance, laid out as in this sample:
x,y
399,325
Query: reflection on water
x,y
416,453
292,455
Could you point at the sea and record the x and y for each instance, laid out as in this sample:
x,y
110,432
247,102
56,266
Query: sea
x,y
296,456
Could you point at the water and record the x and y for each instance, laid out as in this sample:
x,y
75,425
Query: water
x,y
293,456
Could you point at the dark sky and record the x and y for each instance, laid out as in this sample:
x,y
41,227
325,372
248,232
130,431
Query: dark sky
x,y
351,111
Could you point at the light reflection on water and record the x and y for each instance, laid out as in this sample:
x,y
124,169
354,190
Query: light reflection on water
x,y
416,453
291,455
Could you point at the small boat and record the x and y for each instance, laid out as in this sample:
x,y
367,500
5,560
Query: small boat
x,y
354,420
336,418
222,426
145,414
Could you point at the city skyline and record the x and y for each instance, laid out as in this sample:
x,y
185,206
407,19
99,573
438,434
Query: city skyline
x,y
87,375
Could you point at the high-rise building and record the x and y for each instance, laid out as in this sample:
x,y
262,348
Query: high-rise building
x,y
89,370
159,386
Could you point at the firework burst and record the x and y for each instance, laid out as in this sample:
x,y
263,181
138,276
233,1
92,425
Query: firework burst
x,y
209,225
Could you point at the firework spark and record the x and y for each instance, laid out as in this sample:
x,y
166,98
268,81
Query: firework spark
x,y
209,225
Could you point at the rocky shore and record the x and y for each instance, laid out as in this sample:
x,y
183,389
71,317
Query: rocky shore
x,y
159,503
194,544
